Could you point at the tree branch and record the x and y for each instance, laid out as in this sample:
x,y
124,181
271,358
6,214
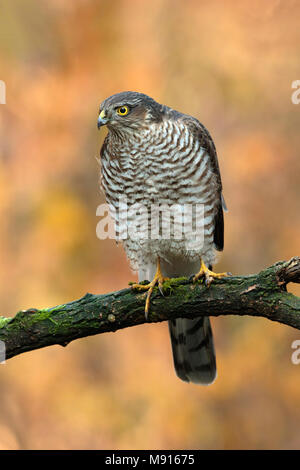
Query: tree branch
x,y
263,294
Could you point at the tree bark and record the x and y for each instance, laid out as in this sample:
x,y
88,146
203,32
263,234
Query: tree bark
x,y
263,294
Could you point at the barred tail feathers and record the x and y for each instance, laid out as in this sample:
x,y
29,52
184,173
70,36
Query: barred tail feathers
x,y
191,339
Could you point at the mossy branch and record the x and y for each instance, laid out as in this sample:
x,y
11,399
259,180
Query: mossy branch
x,y
263,294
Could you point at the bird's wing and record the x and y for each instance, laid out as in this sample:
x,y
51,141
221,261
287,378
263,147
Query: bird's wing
x,y
201,133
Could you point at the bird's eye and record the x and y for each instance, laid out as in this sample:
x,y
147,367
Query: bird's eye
x,y
123,110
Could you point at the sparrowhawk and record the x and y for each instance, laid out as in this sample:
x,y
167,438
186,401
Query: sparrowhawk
x,y
155,158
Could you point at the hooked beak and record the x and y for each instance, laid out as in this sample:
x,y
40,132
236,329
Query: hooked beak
x,y
102,119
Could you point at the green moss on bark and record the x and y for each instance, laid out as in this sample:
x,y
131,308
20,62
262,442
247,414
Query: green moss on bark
x,y
262,294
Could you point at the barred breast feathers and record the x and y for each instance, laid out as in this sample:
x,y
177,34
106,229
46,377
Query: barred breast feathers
x,y
168,162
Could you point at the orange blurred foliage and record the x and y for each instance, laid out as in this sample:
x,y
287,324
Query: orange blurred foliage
x,y
232,66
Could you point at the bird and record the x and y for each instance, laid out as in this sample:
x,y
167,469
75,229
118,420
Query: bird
x,y
156,157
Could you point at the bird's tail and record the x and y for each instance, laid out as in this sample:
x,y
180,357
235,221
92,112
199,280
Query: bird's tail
x,y
192,339
193,350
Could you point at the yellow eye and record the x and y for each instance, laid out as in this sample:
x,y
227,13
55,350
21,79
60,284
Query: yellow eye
x,y
123,110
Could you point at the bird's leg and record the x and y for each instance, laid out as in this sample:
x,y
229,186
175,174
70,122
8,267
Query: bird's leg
x,y
208,274
157,280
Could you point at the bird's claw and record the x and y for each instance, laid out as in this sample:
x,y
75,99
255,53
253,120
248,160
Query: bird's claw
x,y
160,288
208,275
157,280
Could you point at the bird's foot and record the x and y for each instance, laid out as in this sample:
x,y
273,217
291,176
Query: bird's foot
x,y
208,275
158,280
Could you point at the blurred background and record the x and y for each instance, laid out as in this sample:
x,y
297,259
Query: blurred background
x,y
232,66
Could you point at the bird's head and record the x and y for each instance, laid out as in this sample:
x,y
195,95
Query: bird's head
x,y
128,111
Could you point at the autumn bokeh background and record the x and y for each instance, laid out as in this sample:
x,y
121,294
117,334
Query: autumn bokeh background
x,y
231,64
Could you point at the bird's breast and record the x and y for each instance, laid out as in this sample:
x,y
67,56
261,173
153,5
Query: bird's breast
x,y
164,163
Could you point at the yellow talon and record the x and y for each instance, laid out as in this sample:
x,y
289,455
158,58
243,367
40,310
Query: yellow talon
x,y
208,274
157,280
